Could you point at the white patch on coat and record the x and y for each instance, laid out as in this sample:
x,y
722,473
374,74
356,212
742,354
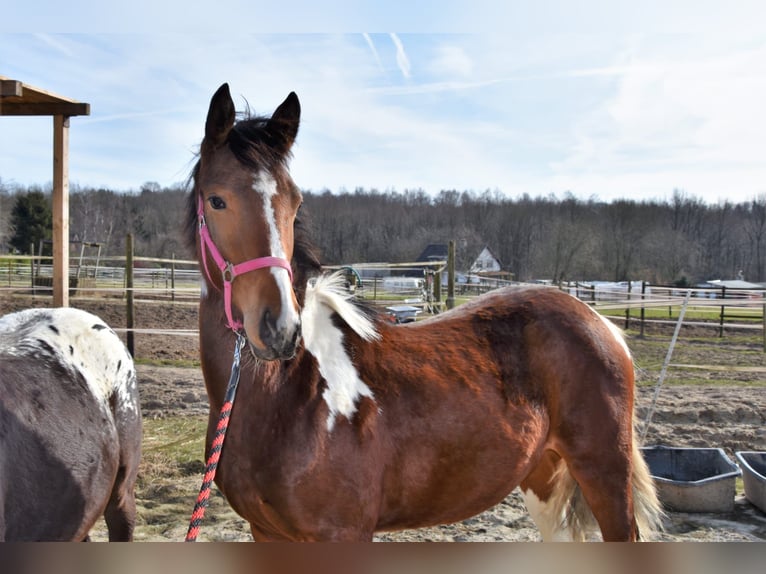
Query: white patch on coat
x,y
550,526
325,342
265,185
97,354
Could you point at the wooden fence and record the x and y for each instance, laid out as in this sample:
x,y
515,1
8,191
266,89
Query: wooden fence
x,y
178,281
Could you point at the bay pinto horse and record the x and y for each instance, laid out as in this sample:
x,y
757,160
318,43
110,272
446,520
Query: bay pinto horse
x,y
70,427
346,425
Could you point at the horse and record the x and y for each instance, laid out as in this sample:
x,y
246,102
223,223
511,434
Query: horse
x,y
346,425
70,427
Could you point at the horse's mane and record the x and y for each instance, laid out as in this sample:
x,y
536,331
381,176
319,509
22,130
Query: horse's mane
x,y
256,148
329,291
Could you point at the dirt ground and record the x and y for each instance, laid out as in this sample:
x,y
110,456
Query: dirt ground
x,y
730,416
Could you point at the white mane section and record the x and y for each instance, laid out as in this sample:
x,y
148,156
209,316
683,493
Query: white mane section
x,y
325,342
330,291
82,343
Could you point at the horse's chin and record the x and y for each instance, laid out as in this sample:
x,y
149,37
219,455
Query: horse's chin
x,y
266,354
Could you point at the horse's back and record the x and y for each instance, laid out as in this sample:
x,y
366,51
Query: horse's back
x,y
562,348
69,419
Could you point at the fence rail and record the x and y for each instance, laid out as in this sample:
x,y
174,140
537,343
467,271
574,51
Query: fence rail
x,y
153,278
177,280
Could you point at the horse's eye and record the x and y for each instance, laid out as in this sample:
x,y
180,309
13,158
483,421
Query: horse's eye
x,y
216,202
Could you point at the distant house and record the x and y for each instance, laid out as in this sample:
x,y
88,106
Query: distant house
x,y
488,270
434,252
486,262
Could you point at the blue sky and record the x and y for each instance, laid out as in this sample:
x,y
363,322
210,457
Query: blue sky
x,y
563,97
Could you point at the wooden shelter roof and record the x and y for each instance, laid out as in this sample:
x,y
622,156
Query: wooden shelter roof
x,y
19,99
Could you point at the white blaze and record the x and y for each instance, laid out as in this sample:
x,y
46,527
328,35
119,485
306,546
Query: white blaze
x,y
265,185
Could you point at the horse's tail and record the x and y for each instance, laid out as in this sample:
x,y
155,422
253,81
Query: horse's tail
x,y
647,508
569,502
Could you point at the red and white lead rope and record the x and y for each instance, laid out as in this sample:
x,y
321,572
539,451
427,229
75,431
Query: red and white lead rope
x,y
215,449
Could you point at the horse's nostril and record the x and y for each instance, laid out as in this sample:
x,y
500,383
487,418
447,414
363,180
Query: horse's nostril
x,y
268,328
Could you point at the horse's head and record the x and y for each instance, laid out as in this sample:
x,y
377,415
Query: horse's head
x,y
246,204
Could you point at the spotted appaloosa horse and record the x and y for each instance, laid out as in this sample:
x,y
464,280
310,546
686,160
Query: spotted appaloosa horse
x,y
70,427
346,425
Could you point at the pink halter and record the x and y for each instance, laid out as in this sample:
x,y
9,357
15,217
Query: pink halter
x,y
229,271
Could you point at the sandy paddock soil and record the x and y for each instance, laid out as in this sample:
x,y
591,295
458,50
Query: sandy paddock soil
x,y
731,417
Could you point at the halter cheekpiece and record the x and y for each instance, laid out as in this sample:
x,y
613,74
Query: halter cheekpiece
x,y
228,270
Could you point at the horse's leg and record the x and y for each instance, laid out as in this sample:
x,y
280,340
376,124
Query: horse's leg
x,y
546,504
120,512
564,498
605,482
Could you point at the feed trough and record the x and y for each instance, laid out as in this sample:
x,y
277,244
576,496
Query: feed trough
x,y
693,479
753,465
402,313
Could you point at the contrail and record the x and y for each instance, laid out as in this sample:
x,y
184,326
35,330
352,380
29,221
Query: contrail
x,y
375,54
401,56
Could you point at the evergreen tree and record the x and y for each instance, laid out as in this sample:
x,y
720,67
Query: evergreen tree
x,y
31,220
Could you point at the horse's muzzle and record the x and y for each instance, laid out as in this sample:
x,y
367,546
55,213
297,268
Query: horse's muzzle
x,y
280,342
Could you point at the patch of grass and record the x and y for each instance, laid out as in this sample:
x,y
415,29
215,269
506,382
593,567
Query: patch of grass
x,y
172,446
713,314
700,357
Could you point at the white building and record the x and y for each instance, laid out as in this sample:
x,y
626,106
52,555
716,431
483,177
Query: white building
x,y
486,262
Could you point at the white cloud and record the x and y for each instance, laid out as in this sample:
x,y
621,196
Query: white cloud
x,y
687,118
452,61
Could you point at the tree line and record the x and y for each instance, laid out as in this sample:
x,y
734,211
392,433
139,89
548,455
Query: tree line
x,y
682,240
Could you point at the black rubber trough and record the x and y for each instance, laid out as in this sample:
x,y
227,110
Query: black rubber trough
x,y
753,465
693,479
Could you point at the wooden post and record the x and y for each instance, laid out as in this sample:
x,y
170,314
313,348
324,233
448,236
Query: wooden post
x,y
173,277
32,266
643,309
627,309
723,311
60,211
451,275
129,292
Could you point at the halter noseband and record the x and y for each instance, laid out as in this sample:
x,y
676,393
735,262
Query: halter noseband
x,y
229,271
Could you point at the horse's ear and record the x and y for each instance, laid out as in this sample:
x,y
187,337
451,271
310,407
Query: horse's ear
x,y
283,125
220,117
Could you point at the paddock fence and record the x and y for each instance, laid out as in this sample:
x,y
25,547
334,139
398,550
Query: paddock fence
x,y
635,304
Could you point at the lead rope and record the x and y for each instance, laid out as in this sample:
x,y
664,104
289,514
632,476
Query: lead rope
x,y
215,449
